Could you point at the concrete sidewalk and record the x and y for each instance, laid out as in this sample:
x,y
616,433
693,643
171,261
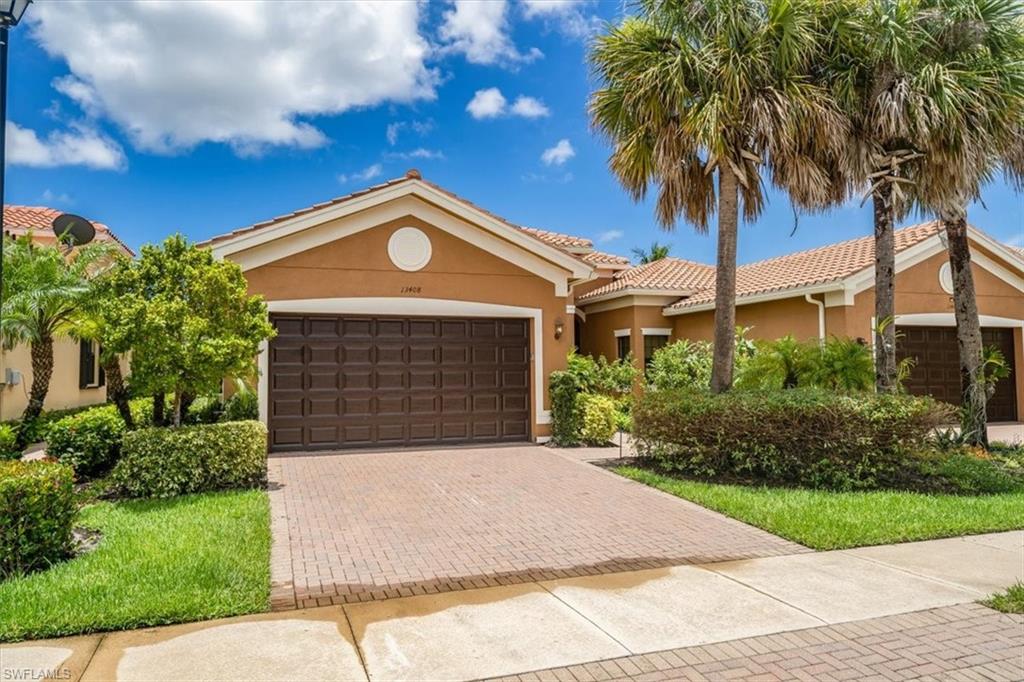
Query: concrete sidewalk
x,y
511,630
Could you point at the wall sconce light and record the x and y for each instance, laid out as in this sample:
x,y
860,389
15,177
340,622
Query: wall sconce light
x,y
559,328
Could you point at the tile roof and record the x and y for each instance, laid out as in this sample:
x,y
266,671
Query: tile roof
x,y
19,220
599,258
562,241
667,274
806,268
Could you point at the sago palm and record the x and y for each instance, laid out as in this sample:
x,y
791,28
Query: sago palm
x,y
982,89
694,91
43,295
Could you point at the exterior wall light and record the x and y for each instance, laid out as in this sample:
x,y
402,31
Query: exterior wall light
x,y
559,328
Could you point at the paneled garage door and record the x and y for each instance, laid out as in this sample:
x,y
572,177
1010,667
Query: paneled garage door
x,y
937,372
353,382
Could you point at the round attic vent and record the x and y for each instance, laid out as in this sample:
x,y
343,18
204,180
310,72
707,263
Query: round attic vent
x,y
946,278
409,249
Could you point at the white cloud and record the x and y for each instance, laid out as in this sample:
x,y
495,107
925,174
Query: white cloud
x,y
557,178
421,128
51,197
419,153
529,107
239,72
479,30
609,236
489,103
566,16
79,145
559,154
365,175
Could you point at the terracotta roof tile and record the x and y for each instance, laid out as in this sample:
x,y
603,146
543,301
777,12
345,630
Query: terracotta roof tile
x,y
19,220
562,241
806,268
600,258
667,274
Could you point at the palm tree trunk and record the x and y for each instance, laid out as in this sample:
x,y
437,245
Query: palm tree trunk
x,y
42,370
885,284
968,335
725,281
116,390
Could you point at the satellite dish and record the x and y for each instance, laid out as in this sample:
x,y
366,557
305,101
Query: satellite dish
x,y
73,230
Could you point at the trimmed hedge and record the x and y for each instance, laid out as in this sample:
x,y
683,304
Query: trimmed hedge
x,y
599,418
164,462
37,513
8,442
566,417
90,441
810,437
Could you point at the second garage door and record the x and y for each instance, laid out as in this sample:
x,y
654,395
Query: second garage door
x,y
937,369
353,382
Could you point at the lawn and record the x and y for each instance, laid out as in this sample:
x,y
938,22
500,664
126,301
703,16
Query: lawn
x,y
1010,601
189,558
834,520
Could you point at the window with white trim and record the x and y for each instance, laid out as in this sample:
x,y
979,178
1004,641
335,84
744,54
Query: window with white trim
x,y
90,374
652,342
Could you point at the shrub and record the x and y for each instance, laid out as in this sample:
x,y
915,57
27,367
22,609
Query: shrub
x,y
164,462
973,475
601,376
89,442
241,406
810,437
841,364
566,419
598,418
679,365
37,510
8,442
206,409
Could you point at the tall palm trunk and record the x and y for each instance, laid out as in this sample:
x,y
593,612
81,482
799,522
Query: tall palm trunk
x,y
116,390
42,370
885,283
968,334
725,281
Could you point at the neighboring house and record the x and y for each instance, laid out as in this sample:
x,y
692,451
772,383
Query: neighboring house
x,y
408,316
77,379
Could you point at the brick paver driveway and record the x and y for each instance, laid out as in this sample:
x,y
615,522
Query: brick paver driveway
x,y
354,527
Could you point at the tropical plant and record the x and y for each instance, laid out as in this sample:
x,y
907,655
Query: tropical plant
x,y
994,368
783,363
44,292
188,321
980,98
843,364
657,252
693,92
682,364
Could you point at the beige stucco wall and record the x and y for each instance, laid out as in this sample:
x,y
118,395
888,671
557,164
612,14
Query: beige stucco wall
x,y
359,266
64,391
767,320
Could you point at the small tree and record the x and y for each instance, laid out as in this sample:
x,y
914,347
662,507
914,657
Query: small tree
x,y
187,319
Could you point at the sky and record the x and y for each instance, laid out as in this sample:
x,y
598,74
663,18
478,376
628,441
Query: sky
x,y
203,117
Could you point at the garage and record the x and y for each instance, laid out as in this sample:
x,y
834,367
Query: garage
x,y
338,381
937,372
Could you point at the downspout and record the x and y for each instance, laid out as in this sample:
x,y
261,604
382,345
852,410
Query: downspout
x,y
821,315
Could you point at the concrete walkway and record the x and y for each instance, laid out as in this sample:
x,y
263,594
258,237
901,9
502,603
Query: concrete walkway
x,y
509,630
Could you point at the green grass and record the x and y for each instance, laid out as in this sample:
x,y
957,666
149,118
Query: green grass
x,y
1010,601
832,520
160,561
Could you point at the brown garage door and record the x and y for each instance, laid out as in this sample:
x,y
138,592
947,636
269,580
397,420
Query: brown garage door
x,y
347,382
937,372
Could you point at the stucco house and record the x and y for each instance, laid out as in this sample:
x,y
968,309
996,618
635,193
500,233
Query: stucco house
x,y
77,378
407,315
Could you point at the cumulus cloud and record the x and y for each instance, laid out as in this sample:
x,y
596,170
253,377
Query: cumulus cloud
x,y
567,16
488,103
529,107
80,145
559,154
244,73
609,236
479,30
365,175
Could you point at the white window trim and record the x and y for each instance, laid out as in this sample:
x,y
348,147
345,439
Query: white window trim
x,y
656,331
622,332
409,306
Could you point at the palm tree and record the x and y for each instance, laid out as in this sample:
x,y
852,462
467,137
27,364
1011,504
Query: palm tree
x,y
699,90
983,130
657,251
43,295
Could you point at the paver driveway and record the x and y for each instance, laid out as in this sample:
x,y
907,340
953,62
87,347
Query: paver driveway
x,y
355,527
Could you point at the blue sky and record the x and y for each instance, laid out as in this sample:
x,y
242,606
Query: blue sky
x,y
203,117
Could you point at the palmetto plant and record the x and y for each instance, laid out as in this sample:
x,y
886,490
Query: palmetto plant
x,y
43,296
694,91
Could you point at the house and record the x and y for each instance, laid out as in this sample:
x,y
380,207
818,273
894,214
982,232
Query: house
x,y
77,379
407,315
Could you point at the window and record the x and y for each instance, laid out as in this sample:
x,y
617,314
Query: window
x,y
622,346
90,374
653,342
